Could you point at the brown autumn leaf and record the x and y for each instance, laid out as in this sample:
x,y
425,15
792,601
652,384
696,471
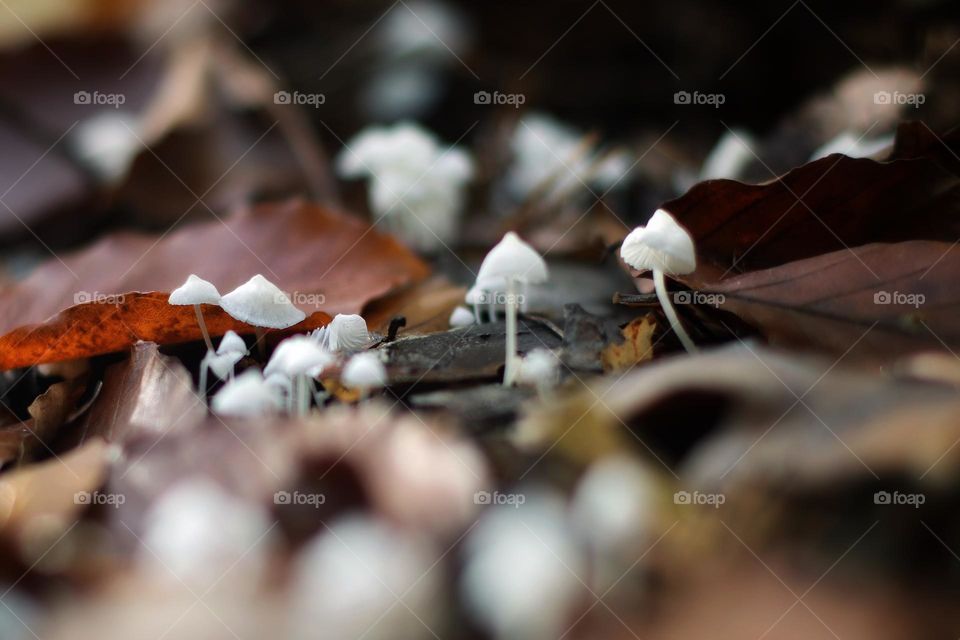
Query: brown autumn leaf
x,y
95,328
38,502
149,393
871,303
636,347
426,307
826,205
323,259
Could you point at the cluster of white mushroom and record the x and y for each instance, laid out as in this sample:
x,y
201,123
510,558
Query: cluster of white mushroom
x,y
288,381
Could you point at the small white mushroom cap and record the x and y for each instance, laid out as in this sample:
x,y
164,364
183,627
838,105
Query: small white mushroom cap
x,y
364,371
662,245
298,355
461,317
346,332
512,258
349,576
539,367
221,364
194,291
520,578
280,381
614,504
196,531
247,395
232,343
261,303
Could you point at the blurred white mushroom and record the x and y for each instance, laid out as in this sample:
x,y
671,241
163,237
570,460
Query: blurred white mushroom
x,y
462,317
540,369
364,372
232,343
729,157
347,582
547,151
107,142
522,569
247,396
613,510
854,146
517,262
197,532
416,187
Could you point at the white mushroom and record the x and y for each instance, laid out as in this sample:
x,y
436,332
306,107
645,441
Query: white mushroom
x,y
261,303
196,291
662,246
461,317
417,186
220,364
298,358
364,372
232,343
540,368
517,262
522,567
247,395
196,531
346,332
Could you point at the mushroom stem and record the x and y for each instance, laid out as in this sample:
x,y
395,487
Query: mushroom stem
x,y
261,345
476,313
509,370
203,327
303,398
203,379
664,296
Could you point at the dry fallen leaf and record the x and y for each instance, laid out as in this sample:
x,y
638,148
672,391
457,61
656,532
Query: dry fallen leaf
x,y
94,328
636,346
148,393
